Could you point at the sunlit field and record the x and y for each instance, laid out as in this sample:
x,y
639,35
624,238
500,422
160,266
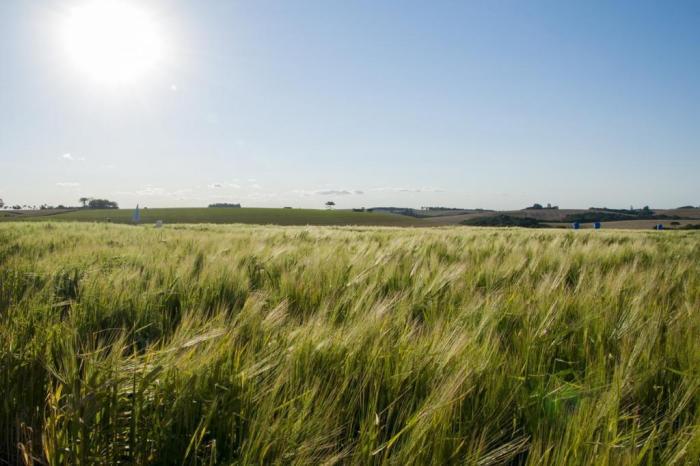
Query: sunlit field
x,y
336,345
202,215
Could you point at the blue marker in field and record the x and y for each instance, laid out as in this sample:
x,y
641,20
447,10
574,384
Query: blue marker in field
x,y
659,226
575,225
596,225
136,218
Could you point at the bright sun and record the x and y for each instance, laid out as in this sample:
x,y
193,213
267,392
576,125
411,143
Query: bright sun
x,y
112,42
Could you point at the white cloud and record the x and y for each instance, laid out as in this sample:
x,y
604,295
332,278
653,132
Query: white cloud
x,y
68,184
409,190
336,192
224,185
207,193
153,191
70,157
302,192
328,192
260,196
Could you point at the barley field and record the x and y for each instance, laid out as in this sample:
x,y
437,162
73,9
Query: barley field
x,y
246,345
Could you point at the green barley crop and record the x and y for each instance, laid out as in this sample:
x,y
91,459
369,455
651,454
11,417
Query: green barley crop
x,y
333,345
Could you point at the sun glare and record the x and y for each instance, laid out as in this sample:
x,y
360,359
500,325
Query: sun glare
x,y
112,42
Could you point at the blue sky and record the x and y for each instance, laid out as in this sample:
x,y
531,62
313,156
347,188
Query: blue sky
x,y
494,104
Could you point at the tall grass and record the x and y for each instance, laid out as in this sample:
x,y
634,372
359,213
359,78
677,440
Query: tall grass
x,y
319,345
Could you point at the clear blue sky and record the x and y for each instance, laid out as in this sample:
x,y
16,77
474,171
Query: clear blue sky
x,y
493,104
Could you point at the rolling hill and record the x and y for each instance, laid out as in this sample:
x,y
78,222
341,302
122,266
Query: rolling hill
x,y
555,218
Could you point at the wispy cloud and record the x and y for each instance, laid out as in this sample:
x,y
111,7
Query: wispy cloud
x,y
68,184
260,196
328,192
154,191
223,185
409,190
71,158
151,191
338,192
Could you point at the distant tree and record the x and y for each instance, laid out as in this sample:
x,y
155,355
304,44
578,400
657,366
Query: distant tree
x,y
84,201
535,206
224,205
102,204
2,203
330,204
502,220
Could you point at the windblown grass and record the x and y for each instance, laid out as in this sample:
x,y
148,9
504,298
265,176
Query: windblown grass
x,y
321,345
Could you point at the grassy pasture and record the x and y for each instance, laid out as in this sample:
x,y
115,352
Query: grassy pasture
x,y
249,215
215,344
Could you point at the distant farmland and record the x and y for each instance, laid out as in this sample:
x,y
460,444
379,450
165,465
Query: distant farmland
x,y
550,218
221,215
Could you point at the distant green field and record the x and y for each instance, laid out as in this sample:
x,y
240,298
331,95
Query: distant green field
x,y
276,216
222,215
